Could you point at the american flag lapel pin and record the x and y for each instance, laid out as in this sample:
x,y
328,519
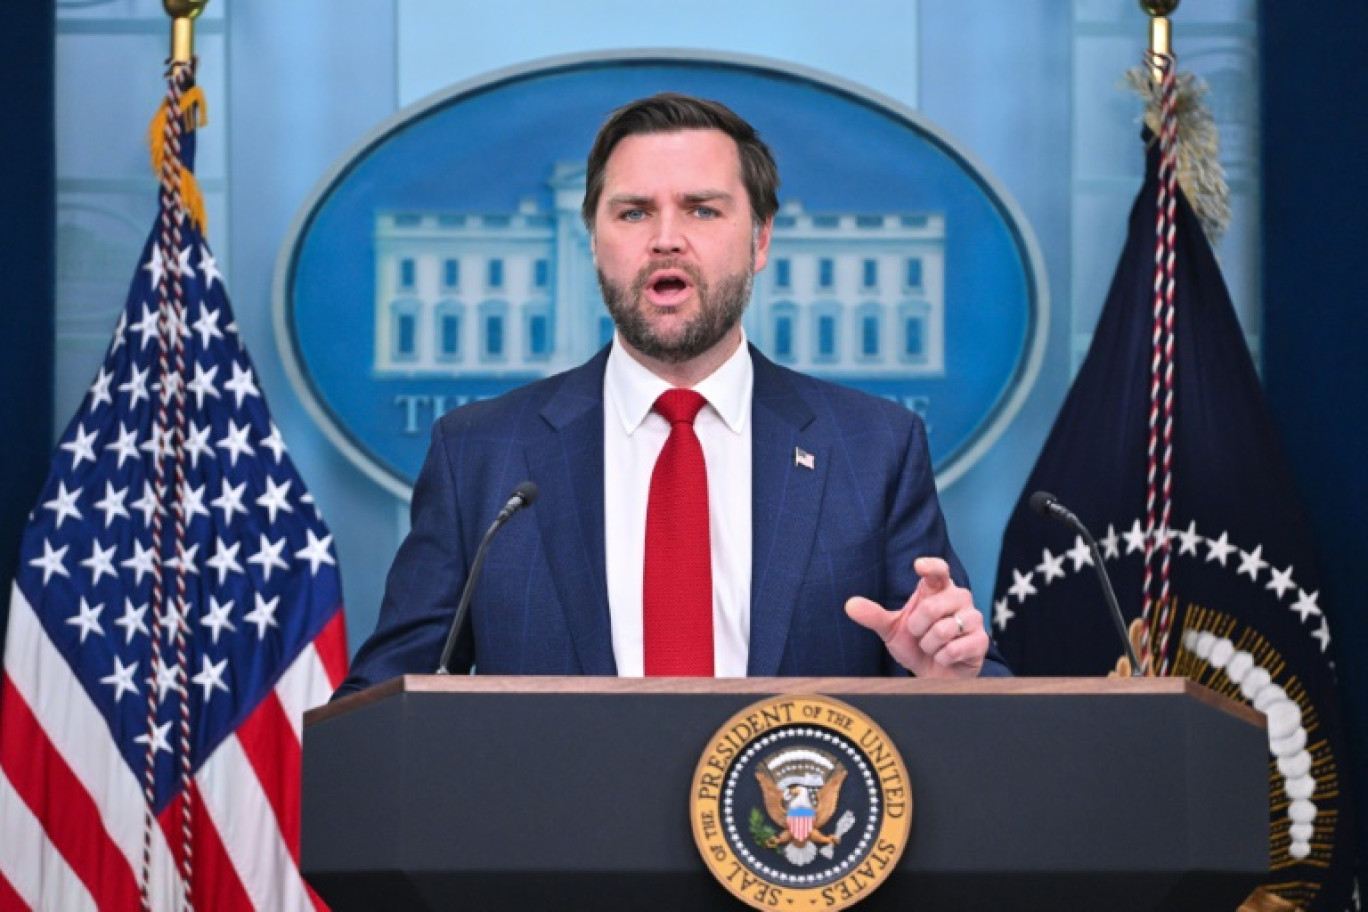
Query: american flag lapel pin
x,y
802,457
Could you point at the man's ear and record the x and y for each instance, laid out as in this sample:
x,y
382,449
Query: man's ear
x,y
762,243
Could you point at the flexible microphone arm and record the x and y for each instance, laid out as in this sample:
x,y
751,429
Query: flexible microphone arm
x,y
1046,504
524,495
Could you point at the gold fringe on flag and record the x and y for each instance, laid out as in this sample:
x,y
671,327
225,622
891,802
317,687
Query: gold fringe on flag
x,y
194,113
1199,165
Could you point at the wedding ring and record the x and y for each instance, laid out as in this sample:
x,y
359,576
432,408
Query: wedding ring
x,y
959,624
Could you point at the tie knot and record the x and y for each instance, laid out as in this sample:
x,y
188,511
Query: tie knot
x,y
679,405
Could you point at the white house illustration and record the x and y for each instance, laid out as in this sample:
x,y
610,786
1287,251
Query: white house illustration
x,y
846,295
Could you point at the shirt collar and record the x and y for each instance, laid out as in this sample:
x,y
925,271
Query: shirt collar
x,y
631,390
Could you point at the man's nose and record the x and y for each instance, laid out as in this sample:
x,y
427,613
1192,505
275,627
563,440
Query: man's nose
x,y
669,234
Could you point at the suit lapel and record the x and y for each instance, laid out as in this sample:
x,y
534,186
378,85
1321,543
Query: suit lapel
x,y
565,458
786,501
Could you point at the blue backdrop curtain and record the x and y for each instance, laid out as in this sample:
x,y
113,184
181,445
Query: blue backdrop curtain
x,y
1315,223
27,270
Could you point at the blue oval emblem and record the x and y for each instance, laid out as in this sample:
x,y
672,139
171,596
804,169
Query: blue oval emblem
x,y
444,260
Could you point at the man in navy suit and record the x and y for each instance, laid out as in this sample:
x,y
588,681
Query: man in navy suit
x,y
829,553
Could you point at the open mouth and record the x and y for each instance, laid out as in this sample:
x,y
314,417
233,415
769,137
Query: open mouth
x,y
669,287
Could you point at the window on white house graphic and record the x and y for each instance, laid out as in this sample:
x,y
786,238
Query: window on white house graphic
x,y
451,273
538,332
869,274
826,273
541,274
494,277
824,331
912,277
493,330
404,329
869,324
449,319
913,317
783,273
785,325
408,273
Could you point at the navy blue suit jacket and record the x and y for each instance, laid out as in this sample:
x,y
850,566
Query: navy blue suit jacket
x,y
852,525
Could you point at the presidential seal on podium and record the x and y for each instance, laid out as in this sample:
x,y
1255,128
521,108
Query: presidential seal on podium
x,y
801,802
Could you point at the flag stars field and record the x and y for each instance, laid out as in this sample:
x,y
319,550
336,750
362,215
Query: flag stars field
x,y
81,447
235,442
99,390
274,500
64,504
112,504
142,561
132,620
51,562
241,385
216,618
121,679
263,615
100,563
87,620
136,386
268,556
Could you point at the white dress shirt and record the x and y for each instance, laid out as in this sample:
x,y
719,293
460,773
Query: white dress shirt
x,y
633,436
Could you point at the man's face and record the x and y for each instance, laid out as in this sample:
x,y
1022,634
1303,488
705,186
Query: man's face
x,y
675,245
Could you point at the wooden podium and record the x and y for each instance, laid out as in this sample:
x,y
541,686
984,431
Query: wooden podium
x,y
573,793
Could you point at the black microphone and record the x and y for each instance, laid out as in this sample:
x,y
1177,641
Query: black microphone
x,y
524,495
1046,504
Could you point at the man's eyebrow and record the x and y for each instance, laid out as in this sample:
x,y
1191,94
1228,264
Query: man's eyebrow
x,y
628,199
707,196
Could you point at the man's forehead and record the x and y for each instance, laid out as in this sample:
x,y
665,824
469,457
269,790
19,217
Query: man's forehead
x,y
664,154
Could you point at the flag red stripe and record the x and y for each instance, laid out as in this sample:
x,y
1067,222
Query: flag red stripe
x,y
331,644
269,742
317,900
42,778
10,900
215,883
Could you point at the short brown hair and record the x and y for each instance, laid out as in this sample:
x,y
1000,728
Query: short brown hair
x,y
670,112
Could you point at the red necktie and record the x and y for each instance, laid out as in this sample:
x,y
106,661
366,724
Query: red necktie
x,y
677,594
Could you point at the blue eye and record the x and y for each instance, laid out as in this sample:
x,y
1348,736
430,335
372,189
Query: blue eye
x,y
632,215
706,212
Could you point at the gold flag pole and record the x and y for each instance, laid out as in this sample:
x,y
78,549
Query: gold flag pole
x,y
183,14
1160,32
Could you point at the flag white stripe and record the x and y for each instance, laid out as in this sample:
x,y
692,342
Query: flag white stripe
x,y
304,686
246,824
80,734
31,863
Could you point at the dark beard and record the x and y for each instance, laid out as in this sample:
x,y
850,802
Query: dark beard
x,y
717,314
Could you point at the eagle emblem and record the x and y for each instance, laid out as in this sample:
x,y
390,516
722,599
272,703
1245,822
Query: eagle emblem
x,y
802,789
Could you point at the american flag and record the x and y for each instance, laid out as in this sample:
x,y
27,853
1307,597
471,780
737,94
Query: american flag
x,y
176,609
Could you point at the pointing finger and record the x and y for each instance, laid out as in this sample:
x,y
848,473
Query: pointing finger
x,y
934,572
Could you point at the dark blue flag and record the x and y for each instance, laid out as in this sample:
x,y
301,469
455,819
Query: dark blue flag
x,y
1243,613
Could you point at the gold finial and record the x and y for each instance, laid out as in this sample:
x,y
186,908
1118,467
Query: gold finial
x,y
1160,33
183,14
